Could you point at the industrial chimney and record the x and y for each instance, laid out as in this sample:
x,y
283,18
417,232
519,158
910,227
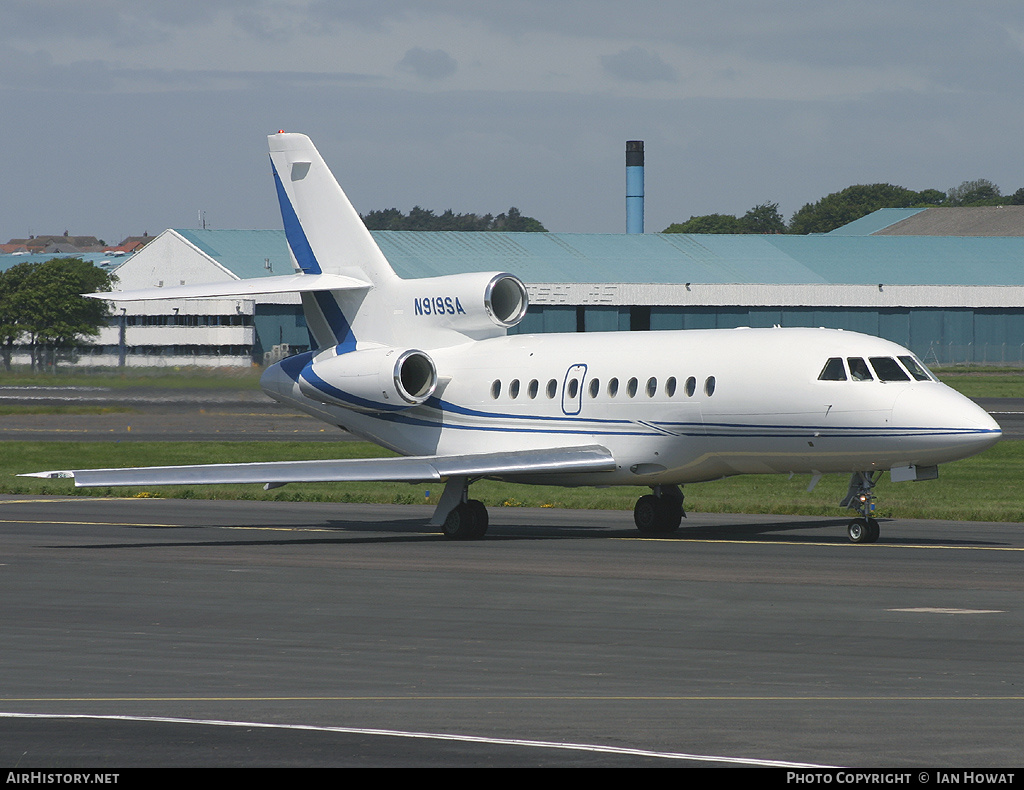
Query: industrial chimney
x,y
634,186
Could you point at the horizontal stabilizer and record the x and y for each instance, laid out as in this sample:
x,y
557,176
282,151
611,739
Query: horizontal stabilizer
x,y
287,283
412,469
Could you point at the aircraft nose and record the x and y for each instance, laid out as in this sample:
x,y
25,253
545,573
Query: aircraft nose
x,y
942,424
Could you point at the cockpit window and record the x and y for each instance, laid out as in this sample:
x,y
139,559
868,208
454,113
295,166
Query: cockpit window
x,y
859,369
888,370
833,370
917,370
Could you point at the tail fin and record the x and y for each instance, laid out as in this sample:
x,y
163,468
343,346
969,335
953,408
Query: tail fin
x,y
324,231
326,236
374,306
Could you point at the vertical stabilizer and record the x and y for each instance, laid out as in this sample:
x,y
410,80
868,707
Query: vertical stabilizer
x,y
327,236
324,231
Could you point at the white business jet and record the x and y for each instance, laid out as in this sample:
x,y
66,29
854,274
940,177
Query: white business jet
x,y
426,368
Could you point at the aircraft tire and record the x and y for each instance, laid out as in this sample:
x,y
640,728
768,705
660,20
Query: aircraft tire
x,y
654,516
863,530
673,513
480,514
468,521
859,531
874,530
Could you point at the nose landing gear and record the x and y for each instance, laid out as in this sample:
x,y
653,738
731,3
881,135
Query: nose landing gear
x,y
860,496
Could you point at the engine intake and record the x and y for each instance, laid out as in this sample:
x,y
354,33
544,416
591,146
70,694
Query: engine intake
x,y
374,380
479,305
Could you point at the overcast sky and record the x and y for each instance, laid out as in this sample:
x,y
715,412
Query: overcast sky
x,y
124,117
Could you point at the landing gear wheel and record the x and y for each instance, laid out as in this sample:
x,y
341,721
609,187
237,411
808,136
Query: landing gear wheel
x,y
863,530
875,531
480,514
657,515
673,513
468,521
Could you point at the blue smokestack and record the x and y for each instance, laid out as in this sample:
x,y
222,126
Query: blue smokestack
x,y
634,186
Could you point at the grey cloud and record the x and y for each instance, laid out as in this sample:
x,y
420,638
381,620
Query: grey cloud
x,y
429,64
636,64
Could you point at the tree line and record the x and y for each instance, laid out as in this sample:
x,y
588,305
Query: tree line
x,y
840,208
41,307
511,221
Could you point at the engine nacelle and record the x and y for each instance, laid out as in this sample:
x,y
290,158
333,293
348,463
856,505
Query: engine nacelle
x,y
474,304
373,380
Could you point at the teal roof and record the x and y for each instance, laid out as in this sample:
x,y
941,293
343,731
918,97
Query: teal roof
x,y
875,221
244,252
660,257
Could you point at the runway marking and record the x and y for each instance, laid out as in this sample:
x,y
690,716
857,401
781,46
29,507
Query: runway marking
x,y
545,698
439,736
68,500
87,523
841,543
291,529
939,610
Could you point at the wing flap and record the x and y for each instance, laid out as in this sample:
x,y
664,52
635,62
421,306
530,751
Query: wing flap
x,y
286,283
414,469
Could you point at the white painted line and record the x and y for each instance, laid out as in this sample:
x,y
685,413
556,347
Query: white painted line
x,y
579,747
938,610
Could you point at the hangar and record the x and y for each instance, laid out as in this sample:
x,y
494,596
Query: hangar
x,y
948,283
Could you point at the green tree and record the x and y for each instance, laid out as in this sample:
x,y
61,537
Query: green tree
x,y
763,218
930,197
841,208
425,219
981,192
43,304
14,308
514,222
708,223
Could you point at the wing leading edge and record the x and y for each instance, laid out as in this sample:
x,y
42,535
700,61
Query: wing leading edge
x,y
413,469
286,283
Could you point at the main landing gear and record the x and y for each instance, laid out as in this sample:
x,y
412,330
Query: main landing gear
x,y
659,513
860,496
460,517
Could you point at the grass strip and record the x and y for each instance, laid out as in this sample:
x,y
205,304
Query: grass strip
x,y
983,488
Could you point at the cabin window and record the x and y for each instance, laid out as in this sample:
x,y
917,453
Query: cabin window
x,y
574,387
670,386
496,389
887,370
552,388
613,387
691,386
631,388
533,389
859,369
595,387
834,370
513,389
917,370
652,387
709,386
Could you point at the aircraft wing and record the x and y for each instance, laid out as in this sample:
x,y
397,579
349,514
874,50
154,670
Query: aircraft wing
x,y
285,283
412,469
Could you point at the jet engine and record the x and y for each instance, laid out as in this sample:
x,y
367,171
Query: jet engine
x,y
373,380
477,304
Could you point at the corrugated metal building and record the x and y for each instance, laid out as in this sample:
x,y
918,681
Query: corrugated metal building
x,y
951,299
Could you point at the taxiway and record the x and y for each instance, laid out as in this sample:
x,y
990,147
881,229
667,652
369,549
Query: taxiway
x,y
266,633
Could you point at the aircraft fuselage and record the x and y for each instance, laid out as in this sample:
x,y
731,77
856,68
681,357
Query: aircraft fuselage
x,y
673,406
